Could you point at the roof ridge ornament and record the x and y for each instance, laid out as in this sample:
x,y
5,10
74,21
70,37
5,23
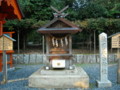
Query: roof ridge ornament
x,y
60,13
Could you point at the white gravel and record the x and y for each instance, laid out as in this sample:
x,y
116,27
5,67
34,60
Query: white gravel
x,y
24,71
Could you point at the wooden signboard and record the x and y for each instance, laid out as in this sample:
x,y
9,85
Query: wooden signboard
x,y
116,41
6,43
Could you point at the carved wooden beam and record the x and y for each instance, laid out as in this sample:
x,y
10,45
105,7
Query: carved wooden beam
x,y
59,13
55,9
64,9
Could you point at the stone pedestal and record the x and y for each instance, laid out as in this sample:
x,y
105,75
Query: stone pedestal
x,y
104,84
59,78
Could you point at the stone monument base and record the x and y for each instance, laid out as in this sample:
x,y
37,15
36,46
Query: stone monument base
x,y
59,78
104,84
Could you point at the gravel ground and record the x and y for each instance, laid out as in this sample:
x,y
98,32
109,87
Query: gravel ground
x,y
24,71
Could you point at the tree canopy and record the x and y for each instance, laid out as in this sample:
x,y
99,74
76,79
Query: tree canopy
x,y
90,15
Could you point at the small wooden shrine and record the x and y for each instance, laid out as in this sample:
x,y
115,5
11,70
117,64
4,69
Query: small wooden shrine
x,y
9,9
58,40
59,71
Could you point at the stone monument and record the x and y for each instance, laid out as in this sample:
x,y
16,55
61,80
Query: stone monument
x,y
59,71
103,81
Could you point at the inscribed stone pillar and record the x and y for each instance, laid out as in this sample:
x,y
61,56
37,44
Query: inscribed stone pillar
x,y
103,81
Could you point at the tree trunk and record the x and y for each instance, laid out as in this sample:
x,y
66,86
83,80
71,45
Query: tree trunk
x,y
90,41
24,43
18,41
94,42
83,46
43,46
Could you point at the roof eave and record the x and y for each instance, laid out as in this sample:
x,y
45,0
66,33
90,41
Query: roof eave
x,y
113,35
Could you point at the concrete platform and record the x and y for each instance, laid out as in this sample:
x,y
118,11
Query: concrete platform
x,y
76,78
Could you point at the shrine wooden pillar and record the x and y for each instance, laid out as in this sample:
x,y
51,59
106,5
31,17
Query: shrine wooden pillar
x,y
1,28
70,44
2,21
1,32
0,62
11,60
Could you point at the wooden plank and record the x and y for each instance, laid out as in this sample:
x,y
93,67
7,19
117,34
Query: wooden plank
x,y
11,60
43,42
64,9
47,45
70,45
115,42
55,9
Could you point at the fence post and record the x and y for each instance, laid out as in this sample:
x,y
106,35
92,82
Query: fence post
x,y
4,67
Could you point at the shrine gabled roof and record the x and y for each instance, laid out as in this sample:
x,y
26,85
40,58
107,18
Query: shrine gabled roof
x,y
70,28
60,19
11,9
8,37
113,35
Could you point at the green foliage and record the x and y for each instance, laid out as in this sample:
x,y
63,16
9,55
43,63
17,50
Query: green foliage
x,y
39,24
89,15
38,9
92,10
115,12
22,25
99,25
59,4
35,37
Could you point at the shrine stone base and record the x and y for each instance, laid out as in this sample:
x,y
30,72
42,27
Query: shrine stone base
x,y
104,84
76,78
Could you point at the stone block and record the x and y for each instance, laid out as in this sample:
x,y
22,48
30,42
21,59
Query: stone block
x,y
111,58
26,58
59,79
32,58
86,59
39,58
98,58
18,58
104,84
80,58
92,58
